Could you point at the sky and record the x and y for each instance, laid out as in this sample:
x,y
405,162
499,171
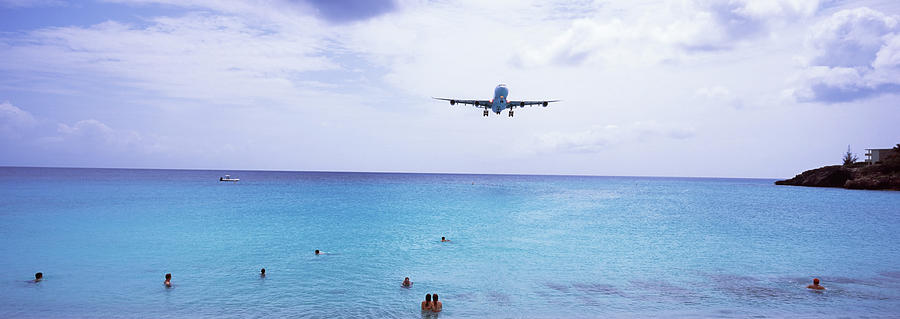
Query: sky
x,y
731,88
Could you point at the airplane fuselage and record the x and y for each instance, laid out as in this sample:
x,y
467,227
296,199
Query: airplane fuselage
x,y
501,96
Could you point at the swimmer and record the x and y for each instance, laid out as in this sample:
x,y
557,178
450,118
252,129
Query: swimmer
x,y
38,276
437,306
317,252
816,285
168,281
443,239
407,283
426,305
262,272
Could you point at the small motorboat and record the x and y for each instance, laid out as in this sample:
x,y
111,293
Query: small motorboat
x,y
228,178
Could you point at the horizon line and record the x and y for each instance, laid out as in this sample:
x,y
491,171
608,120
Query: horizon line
x,y
381,172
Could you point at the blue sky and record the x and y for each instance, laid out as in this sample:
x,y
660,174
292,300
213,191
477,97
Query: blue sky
x,y
735,88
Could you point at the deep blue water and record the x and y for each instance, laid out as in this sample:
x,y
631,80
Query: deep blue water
x,y
522,246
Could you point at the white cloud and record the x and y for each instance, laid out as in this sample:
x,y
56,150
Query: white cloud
x,y
94,133
888,55
227,59
853,55
722,24
22,127
30,3
599,138
850,38
592,140
717,92
650,32
720,95
13,120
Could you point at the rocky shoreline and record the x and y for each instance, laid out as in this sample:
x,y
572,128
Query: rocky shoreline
x,y
851,177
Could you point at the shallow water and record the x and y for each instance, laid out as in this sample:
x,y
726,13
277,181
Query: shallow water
x,y
522,246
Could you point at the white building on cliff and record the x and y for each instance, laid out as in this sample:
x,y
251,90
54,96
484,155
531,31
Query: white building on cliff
x,y
876,155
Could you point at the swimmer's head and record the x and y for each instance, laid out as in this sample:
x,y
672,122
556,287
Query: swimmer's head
x,y
815,281
168,276
443,238
262,271
428,297
38,276
317,251
435,297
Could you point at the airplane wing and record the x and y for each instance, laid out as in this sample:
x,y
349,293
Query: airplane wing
x,y
476,103
514,104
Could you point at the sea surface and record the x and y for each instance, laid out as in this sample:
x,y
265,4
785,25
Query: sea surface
x,y
521,246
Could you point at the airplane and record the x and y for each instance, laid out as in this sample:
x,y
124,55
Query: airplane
x,y
498,103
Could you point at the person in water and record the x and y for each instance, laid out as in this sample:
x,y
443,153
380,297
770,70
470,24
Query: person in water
x,y
815,285
168,281
426,305
443,239
436,306
317,252
38,276
407,283
262,272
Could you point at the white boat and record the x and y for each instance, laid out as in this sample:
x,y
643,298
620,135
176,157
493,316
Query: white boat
x,y
228,178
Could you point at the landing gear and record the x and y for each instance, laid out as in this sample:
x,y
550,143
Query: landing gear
x,y
485,113
510,113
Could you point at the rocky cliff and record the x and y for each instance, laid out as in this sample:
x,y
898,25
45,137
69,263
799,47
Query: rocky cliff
x,y
855,177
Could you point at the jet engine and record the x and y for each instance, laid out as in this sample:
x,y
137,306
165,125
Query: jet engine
x,y
452,102
545,104
521,104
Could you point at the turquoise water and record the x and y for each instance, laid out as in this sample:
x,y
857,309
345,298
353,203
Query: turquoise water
x,y
522,246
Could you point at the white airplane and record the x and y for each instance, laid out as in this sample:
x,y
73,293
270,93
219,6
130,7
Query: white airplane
x,y
499,102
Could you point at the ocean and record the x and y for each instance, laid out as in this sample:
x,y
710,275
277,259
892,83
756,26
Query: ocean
x,y
521,246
